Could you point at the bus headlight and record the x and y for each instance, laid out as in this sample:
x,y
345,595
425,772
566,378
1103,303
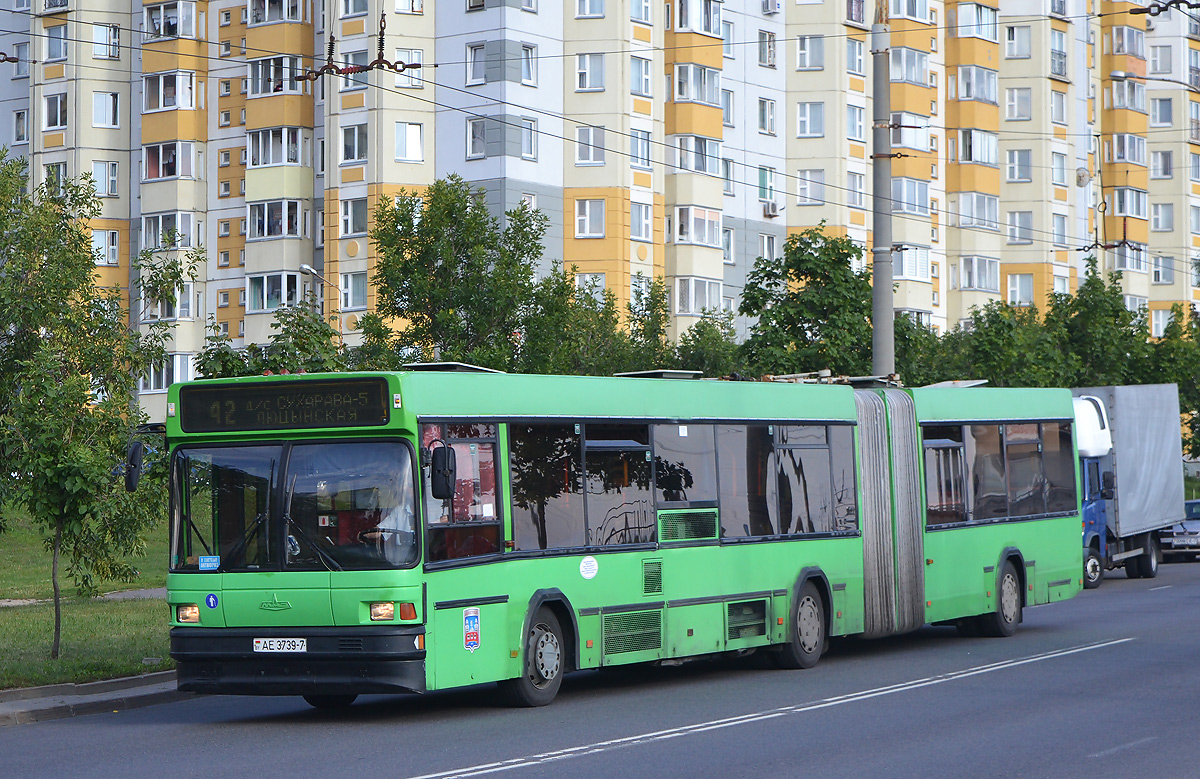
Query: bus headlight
x,y
187,612
383,612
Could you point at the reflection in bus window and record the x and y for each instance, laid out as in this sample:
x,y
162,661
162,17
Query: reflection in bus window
x,y
805,494
1058,454
547,486
988,486
845,496
619,500
685,463
1026,478
748,495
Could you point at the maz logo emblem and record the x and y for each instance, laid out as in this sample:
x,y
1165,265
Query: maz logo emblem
x,y
275,604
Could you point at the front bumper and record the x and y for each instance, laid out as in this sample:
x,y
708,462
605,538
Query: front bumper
x,y
339,660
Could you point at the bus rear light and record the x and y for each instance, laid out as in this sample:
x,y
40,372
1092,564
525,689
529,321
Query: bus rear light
x,y
187,612
408,611
383,612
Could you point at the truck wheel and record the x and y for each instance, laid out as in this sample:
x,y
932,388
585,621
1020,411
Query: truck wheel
x,y
544,663
806,638
1093,570
1152,558
1133,567
1002,622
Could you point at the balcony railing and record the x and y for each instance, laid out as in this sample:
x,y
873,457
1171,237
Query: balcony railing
x,y
1058,63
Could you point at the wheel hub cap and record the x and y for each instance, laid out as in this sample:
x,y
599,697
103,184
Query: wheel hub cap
x,y
546,656
1009,599
808,625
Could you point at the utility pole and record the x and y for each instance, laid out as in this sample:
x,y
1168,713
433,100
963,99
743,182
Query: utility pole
x,y
883,347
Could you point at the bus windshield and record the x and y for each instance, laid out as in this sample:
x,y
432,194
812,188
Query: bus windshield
x,y
305,506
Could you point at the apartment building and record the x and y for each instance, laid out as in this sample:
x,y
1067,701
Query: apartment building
x,y
680,139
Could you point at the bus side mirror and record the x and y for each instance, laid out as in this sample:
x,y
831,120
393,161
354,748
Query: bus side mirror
x,y
442,473
1108,485
133,465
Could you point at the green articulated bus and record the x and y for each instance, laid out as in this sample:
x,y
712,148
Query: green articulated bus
x,y
339,534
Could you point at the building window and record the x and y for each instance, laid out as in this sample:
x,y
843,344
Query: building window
x,y
411,6
589,218
727,182
977,21
409,142
589,9
105,109
810,187
590,284
727,107
1058,169
589,73
1129,257
1020,226
639,76
766,49
105,246
810,120
528,138
354,290
354,217
910,65
21,66
353,7
697,84
856,190
810,52
727,255
105,174
1020,165
167,160
979,210
170,20
912,262
410,78
589,146
270,291
1159,319
278,75
1160,59
854,123
696,296
176,367
276,146
910,9
979,273
357,76
639,221
639,148
56,43
168,91
1058,53
639,11
1128,201
56,177
21,126
910,196
1160,165
728,50
268,11
1058,107
1129,40
354,143
1017,104
976,83
698,154
1162,217
766,116
1130,95
910,131
476,139
223,260
167,230
476,64
766,184
978,147
106,42
1160,112
766,246
1020,289
1162,270
56,112
275,219
1127,147
701,226
854,57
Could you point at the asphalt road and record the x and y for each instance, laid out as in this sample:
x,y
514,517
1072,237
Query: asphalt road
x,y
1107,684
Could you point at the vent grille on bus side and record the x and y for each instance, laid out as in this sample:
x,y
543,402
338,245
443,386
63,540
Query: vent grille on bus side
x,y
635,631
688,525
746,619
652,577
350,645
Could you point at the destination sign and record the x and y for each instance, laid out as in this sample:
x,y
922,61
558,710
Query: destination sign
x,y
283,405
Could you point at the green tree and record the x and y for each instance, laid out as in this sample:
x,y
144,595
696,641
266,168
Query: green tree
x,y
649,317
304,341
571,330
1175,358
68,376
813,309
454,283
710,346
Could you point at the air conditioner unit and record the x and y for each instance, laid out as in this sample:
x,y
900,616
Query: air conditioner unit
x,y
1149,23
770,6
770,208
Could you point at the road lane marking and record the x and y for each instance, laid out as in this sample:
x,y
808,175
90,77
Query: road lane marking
x,y
760,716
1123,747
1163,587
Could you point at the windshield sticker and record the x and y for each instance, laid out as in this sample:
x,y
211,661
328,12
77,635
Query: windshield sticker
x,y
588,567
471,629
210,600
210,562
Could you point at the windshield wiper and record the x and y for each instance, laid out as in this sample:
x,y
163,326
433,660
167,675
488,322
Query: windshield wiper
x,y
325,558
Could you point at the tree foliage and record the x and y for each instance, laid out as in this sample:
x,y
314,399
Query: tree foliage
x,y
303,341
69,363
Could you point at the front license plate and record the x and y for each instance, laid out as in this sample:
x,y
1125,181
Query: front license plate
x,y
281,645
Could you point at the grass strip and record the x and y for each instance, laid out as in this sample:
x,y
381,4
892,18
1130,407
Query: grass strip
x,y
100,640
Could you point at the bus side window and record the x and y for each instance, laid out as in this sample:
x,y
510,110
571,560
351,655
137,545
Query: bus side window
x,y
546,466
1059,456
945,475
985,459
749,506
469,524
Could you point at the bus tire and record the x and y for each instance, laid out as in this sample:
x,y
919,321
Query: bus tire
x,y
329,701
1093,569
545,661
1003,622
806,635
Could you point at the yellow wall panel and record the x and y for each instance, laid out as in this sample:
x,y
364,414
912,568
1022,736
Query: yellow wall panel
x,y
694,119
693,47
277,110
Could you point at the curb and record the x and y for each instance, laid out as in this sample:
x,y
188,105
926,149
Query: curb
x,y
88,688
63,711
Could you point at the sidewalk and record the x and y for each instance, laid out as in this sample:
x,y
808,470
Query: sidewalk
x,y
57,701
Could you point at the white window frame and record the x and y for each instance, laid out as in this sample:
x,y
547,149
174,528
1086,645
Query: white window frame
x,y
354,209
410,142
589,218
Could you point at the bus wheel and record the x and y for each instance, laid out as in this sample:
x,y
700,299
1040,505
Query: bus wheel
x,y
807,639
1093,570
329,701
544,663
1003,621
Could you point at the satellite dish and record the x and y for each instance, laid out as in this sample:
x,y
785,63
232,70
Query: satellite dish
x,y
1082,177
